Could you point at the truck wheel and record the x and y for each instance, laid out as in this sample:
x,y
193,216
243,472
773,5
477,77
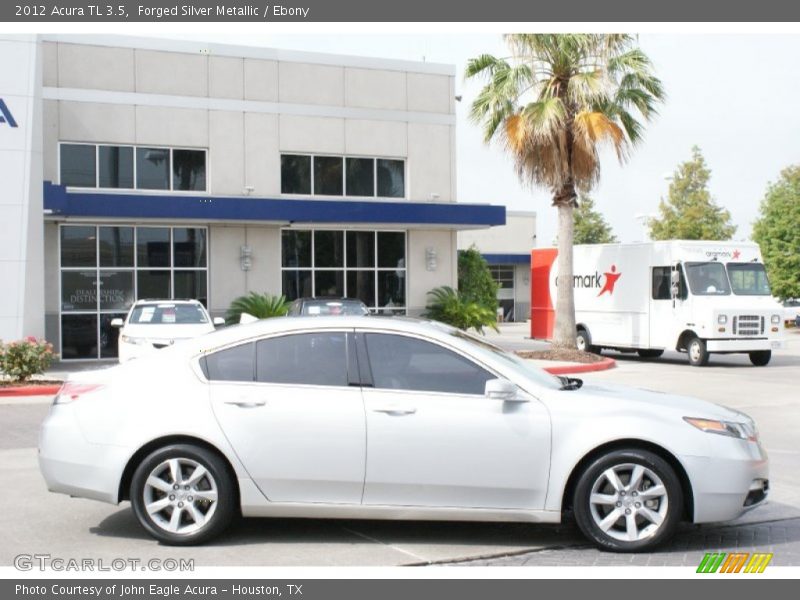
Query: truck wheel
x,y
698,355
584,342
760,358
650,353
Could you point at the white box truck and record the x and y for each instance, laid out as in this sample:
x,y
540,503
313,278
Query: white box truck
x,y
698,297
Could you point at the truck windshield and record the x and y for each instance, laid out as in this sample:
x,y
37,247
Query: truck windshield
x,y
749,279
707,279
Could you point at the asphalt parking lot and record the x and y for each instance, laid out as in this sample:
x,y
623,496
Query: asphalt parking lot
x,y
35,521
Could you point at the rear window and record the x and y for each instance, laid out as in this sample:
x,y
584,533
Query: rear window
x,y
334,307
168,314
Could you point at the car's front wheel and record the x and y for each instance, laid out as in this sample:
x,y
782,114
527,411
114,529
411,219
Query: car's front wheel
x,y
183,495
628,501
760,358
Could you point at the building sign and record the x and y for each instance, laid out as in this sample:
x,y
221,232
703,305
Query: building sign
x,y
5,115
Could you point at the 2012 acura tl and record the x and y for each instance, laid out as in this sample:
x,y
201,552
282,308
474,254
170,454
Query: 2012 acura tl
x,y
390,419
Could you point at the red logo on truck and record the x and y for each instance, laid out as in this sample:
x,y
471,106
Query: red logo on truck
x,y
610,280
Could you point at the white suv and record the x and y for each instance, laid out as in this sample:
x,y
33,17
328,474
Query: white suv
x,y
154,324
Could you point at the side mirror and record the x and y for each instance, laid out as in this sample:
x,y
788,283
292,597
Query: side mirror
x,y
117,322
503,389
218,321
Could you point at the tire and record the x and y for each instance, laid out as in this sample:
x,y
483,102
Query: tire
x,y
197,500
584,341
760,358
698,355
650,353
647,525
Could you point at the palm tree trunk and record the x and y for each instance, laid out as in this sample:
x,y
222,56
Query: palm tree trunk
x,y
564,330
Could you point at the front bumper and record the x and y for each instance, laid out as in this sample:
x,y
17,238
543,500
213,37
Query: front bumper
x,y
71,465
744,345
733,481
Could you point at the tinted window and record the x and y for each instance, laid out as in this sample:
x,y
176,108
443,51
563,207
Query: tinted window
x,y
404,363
295,174
306,358
115,166
708,279
233,364
116,246
391,178
152,245
152,168
78,165
749,279
360,177
188,170
78,246
662,283
328,175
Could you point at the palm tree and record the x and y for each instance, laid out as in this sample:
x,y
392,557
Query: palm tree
x,y
551,104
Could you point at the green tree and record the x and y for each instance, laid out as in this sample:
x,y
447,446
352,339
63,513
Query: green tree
x,y
689,212
777,232
590,226
260,306
551,104
475,282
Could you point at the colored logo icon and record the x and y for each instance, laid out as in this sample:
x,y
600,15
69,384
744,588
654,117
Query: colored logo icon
x,y
734,562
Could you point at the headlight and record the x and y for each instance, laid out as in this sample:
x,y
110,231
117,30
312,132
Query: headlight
x,y
722,319
132,340
743,431
776,319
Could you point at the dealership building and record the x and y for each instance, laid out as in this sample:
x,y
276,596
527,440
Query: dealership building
x,y
143,168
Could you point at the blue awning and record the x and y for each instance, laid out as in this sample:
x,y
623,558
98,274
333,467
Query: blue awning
x,y
508,259
64,203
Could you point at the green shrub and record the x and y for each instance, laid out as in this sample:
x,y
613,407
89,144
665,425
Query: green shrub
x,y
475,282
449,306
261,306
20,360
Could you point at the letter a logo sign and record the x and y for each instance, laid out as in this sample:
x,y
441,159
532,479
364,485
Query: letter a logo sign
x,y
5,115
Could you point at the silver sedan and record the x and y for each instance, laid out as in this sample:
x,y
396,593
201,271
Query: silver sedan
x,y
357,417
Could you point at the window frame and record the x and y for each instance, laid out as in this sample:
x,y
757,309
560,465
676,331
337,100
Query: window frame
x,y
134,147
363,350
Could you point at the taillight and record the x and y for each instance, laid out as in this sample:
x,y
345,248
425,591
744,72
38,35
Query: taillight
x,y
73,390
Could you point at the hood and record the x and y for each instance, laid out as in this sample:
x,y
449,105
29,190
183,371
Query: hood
x,y
168,332
633,398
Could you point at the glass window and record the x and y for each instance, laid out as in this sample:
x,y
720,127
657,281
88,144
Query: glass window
x,y
78,290
404,363
360,177
391,289
189,170
78,246
295,174
231,364
308,359
360,249
361,285
116,290
391,249
707,279
328,249
78,165
167,312
329,284
328,175
749,279
391,178
115,166
189,247
191,285
109,336
296,248
153,284
297,284
79,336
662,283
116,246
152,168
152,246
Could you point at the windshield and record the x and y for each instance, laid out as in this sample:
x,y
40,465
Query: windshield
x,y
749,279
707,279
168,314
528,369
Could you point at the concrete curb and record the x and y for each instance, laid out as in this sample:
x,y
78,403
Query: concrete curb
x,y
29,390
606,363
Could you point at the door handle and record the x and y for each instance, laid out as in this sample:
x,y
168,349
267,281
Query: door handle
x,y
246,403
395,410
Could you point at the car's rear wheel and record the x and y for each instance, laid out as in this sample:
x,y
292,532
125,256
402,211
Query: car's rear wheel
x,y
583,341
628,501
760,358
183,494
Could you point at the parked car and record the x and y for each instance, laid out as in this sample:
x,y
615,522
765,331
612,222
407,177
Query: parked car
x,y
791,311
357,417
318,307
155,324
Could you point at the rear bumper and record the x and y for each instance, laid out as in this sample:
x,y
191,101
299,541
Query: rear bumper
x,y
744,345
71,465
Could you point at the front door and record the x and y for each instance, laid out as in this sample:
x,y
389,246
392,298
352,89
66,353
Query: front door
x,y
435,440
287,407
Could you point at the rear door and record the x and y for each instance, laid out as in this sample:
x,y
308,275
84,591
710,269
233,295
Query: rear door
x,y
293,412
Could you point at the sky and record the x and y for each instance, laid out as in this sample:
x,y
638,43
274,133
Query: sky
x,y
736,96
